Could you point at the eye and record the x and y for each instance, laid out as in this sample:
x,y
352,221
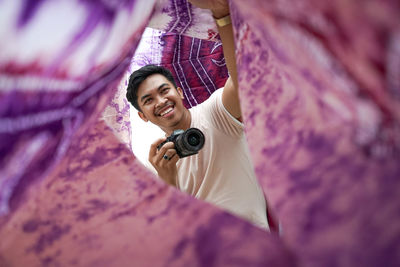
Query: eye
x,y
147,101
164,90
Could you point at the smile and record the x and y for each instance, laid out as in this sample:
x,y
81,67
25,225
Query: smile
x,y
166,111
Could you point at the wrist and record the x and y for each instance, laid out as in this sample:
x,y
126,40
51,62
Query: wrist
x,y
169,179
222,22
217,14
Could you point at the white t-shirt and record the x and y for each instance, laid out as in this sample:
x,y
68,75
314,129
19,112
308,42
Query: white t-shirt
x,y
222,172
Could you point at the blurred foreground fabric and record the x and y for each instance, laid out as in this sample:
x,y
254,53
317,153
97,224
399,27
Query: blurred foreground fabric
x,y
320,91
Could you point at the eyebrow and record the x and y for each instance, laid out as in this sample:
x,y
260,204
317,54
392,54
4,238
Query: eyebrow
x,y
158,89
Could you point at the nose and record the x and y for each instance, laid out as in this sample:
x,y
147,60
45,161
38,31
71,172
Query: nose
x,y
161,101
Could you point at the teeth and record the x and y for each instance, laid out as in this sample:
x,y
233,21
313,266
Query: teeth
x,y
166,111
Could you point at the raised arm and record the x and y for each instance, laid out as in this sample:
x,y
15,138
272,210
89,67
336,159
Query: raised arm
x,y
220,10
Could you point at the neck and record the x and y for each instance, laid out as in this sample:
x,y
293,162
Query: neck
x,y
183,124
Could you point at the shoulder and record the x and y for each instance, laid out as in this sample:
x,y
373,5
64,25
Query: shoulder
x,y
210,104
212,113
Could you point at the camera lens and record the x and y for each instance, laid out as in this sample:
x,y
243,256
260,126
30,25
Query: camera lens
x,y
189,142
194,139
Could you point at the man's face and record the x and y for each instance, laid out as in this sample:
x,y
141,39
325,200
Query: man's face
x,y
160,102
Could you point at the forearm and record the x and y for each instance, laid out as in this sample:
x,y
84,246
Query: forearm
x,y
230,94
228,44
169,179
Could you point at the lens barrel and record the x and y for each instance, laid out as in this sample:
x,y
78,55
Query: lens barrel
x,y
189,142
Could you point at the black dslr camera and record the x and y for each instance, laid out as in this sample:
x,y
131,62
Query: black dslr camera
x,y
187,142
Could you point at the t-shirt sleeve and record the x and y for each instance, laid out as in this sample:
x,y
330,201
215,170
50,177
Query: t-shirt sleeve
x,y
220,118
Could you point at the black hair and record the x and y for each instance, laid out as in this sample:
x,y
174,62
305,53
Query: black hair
x,y
138,76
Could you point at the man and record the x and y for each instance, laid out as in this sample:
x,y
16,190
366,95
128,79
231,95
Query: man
x,y
222,172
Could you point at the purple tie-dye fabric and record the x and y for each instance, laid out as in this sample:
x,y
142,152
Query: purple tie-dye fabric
x,y
320,99
96,205
319,84
197,65
57,75
180,17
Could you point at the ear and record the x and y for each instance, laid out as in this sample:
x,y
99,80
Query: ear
x,y
142,116
180,92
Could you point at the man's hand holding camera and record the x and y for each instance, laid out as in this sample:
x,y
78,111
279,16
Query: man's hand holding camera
x,y
164,160
165,152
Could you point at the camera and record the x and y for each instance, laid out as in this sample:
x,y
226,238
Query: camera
x,y
187,142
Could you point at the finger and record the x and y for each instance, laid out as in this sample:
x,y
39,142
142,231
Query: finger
x,y
167,156
170,163
153,147
166,147
174,159
153,152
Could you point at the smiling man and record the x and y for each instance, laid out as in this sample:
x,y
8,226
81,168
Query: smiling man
x,y
159,99
222,172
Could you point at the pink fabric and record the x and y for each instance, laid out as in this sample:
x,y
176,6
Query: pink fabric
x,y
100,207
319,84
321,113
